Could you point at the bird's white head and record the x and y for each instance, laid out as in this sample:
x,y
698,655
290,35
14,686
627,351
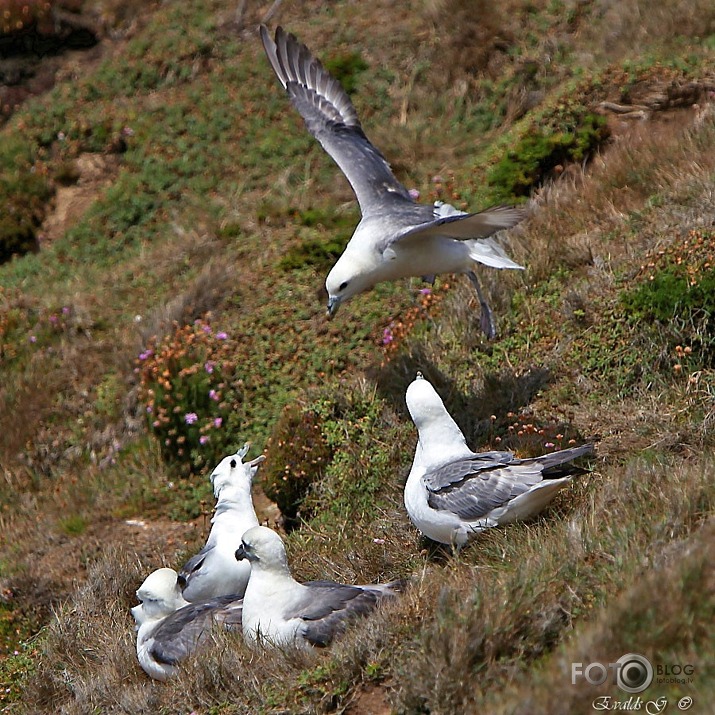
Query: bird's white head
x,y
440,436
423,402
232,470
159,595
263,548
351,275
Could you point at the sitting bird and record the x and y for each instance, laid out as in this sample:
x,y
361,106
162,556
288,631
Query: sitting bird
x,y
280,611
453,493
170,629
396,237
214,571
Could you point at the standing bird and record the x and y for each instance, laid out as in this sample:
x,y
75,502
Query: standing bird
x,y
280,611
453,493
169,628
214,571
396,237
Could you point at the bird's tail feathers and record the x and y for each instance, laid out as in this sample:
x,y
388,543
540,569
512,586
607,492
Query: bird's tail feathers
x,y
559,464
490,253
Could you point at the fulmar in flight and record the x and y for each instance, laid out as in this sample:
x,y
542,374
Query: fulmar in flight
x,y
396,237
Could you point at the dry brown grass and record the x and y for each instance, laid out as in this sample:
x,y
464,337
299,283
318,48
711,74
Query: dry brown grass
x,y
461,635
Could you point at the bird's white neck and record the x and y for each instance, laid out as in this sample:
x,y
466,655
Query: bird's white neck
x,y
442,442
234,510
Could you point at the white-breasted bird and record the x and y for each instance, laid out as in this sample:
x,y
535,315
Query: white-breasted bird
x,y
169,628
453,493
280,611
214,571
396,237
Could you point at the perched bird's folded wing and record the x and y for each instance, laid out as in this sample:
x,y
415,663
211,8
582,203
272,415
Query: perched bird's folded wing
x,y
182,632
558,464
193,566
471,490
331,607
331,118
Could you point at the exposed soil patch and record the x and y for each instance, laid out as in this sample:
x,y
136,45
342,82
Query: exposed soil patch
x,y
369,701
96,173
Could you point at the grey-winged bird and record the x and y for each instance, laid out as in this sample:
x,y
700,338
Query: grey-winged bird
x,y
453,493
169,629
214,571
280,611
396,237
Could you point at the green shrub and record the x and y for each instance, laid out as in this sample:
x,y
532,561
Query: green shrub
x,y
346,68
23,198
678,294
541,149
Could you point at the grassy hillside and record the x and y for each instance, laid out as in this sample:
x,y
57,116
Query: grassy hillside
x,y
184,222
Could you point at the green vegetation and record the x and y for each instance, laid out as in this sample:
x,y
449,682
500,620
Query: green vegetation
x,y
347,68
540,151
23,195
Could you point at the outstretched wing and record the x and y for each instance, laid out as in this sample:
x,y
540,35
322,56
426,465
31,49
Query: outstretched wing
x,y
331,118
456,224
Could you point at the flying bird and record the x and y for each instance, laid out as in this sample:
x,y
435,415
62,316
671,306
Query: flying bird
x,y
453,493
169,629
396,237
214,571
280,611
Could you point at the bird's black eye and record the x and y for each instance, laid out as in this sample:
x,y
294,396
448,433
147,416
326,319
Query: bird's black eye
x,y
343,286
233,464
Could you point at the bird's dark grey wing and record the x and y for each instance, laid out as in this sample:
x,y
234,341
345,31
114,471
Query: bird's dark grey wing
x,y
329,607
331,118
460,470
193,565
467,226
471,490
181,633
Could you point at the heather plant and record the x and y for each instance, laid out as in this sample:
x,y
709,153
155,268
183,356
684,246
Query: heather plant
x,y
190,394
677,291
18,15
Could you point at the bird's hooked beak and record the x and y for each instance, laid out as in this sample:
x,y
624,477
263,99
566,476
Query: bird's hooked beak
x,y
333,305
136,613
241,554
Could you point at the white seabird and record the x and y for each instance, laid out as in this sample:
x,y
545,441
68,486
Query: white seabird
x,y
453,493
169,628
396,237
280,611
214,571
